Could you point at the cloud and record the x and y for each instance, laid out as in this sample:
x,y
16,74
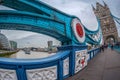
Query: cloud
x,y
17,34
5,8
36,40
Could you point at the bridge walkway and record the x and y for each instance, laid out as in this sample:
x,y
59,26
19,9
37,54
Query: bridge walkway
x,y
104,66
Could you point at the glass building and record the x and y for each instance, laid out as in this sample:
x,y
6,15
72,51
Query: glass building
x,y
4,43
13,45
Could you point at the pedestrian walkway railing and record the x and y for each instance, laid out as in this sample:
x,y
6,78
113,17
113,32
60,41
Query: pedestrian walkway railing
x,y
67,62
116,48
93,52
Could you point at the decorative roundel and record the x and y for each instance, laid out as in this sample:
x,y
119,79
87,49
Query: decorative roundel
x,y
78,30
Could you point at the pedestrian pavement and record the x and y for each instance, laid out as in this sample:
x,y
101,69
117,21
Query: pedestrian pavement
x,y
104,66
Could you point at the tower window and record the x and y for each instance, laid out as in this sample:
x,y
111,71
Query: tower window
x,y
103,15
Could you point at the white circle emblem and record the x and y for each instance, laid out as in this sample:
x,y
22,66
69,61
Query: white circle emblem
x,y
78,30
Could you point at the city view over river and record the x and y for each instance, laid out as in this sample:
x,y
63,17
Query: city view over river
x,y
15,46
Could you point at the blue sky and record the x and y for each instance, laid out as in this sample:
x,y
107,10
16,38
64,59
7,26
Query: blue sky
x,y
79,8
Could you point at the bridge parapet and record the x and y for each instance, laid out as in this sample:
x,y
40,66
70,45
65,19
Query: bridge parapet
x,y
92,53
67,62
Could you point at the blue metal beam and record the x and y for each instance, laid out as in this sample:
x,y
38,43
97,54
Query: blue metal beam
x,y
18,20
114,16
40,8
16,4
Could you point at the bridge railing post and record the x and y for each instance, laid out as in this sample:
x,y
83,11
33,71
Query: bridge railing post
x,y
60,70
92,53
20,71
75,58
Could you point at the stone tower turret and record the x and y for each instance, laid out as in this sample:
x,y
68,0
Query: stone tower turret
x,y
108,27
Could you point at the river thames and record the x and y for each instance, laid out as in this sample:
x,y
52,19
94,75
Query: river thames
x,y
33,55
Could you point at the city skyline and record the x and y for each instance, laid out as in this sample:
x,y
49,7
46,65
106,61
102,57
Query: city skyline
x,y
79,8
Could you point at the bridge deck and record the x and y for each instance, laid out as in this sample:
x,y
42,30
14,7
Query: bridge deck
x,y
105,66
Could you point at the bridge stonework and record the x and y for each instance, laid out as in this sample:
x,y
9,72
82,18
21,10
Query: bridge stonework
x,y
108,27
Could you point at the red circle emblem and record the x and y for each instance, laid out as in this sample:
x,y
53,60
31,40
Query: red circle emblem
x,y
79,30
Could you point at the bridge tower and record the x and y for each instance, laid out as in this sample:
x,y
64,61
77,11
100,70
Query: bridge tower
x,y
108,27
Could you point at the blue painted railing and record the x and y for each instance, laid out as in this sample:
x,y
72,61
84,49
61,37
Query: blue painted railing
x,y
93,52
22,65
116,48
59,66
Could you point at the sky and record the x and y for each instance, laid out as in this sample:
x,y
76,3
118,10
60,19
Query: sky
x,y
80,8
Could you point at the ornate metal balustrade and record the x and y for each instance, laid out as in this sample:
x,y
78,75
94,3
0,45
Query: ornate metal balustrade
x,y
92,53
65,63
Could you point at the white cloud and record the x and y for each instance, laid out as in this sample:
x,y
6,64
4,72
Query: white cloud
x,y
36,40
5,8
17,34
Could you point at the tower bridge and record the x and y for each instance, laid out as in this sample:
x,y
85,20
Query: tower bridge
x,y
36,16
108,26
